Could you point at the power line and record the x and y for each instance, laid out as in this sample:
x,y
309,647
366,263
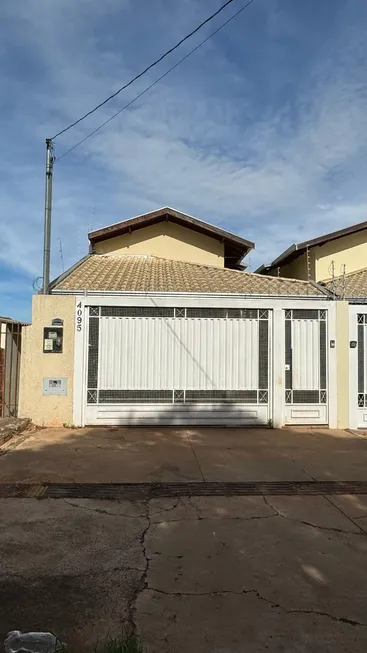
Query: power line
x,y
126,106
185,38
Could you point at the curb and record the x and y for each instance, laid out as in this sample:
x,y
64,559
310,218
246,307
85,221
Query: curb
x,y
12,428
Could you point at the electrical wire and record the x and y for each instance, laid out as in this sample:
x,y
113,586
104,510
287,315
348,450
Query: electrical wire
x,y
126,106
163,56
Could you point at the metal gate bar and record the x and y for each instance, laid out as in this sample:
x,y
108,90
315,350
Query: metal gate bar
x,y
148,491
10,350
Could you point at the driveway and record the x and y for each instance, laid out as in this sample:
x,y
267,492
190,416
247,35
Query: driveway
x,y
116,455
215,574
206,574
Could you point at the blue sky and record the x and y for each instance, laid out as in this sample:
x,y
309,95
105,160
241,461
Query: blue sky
x,y
263,131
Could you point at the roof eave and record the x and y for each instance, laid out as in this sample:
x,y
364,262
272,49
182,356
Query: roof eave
x,y
152,217
283,258
65,274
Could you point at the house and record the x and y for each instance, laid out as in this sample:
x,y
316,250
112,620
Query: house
x,y
338,262
328,257
161,324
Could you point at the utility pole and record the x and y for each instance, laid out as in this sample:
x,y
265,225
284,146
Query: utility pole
x,y
48,206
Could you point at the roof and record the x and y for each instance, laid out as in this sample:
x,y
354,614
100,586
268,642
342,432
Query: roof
x,y
9,320
297,249
241,246
133,273
353,285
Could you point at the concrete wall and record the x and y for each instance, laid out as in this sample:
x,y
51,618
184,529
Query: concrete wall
x,y
167,240
342,351
49,410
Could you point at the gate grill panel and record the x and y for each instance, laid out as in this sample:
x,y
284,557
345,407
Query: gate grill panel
x,y
135,396
316,374
93,352
263,354
221,396
322,355
182,339
177,396
306,396
288,354
361,354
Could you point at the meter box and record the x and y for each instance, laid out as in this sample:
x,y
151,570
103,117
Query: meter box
x,y
52,340
55,386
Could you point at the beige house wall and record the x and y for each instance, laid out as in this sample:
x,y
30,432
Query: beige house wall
x,y
350,251
167,240
297,269
342,353
47,410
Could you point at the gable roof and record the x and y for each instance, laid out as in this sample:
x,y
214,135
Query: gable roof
x,y
352,286
297,249
238,246
134,273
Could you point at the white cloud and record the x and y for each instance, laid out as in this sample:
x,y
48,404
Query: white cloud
x,y
198,141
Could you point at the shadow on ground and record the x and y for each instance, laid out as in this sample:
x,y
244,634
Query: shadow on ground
x,y
152,454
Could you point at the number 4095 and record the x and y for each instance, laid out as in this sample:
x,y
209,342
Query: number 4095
x,y
79,316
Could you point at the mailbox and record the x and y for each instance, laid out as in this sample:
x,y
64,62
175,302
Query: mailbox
x,y
52,340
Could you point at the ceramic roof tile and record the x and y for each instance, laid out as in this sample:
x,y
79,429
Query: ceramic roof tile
x,y
353,285
129,273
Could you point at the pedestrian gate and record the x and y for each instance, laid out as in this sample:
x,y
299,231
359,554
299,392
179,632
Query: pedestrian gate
x,y
306,382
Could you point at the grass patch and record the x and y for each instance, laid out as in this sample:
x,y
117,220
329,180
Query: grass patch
x,y
124,644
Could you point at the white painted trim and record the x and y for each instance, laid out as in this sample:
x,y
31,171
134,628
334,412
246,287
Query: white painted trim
x,y
271,350
331,362
242,296
80,365
178,414
278,380
203,300
353,366
327,412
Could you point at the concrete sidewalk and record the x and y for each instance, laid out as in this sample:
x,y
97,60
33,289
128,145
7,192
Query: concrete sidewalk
x,y
117,455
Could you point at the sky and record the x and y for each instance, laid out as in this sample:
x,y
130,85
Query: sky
x,y
263,131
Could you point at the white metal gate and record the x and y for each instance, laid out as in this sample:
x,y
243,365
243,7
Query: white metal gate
x,y
163,365
358,367
306,391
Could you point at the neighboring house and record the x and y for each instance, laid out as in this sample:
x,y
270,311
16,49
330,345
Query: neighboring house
x,y
338,262
352,286
159,324
323,258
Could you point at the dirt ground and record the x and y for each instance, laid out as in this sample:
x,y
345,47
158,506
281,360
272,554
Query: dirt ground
x,y
204,454
205,574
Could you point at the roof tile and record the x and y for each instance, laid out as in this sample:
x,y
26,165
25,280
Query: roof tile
x,y
353,285
133,273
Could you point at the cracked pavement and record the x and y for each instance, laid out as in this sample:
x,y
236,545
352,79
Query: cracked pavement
x,y
203,574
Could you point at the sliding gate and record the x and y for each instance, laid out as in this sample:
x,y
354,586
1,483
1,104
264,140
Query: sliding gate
x,y
159,365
